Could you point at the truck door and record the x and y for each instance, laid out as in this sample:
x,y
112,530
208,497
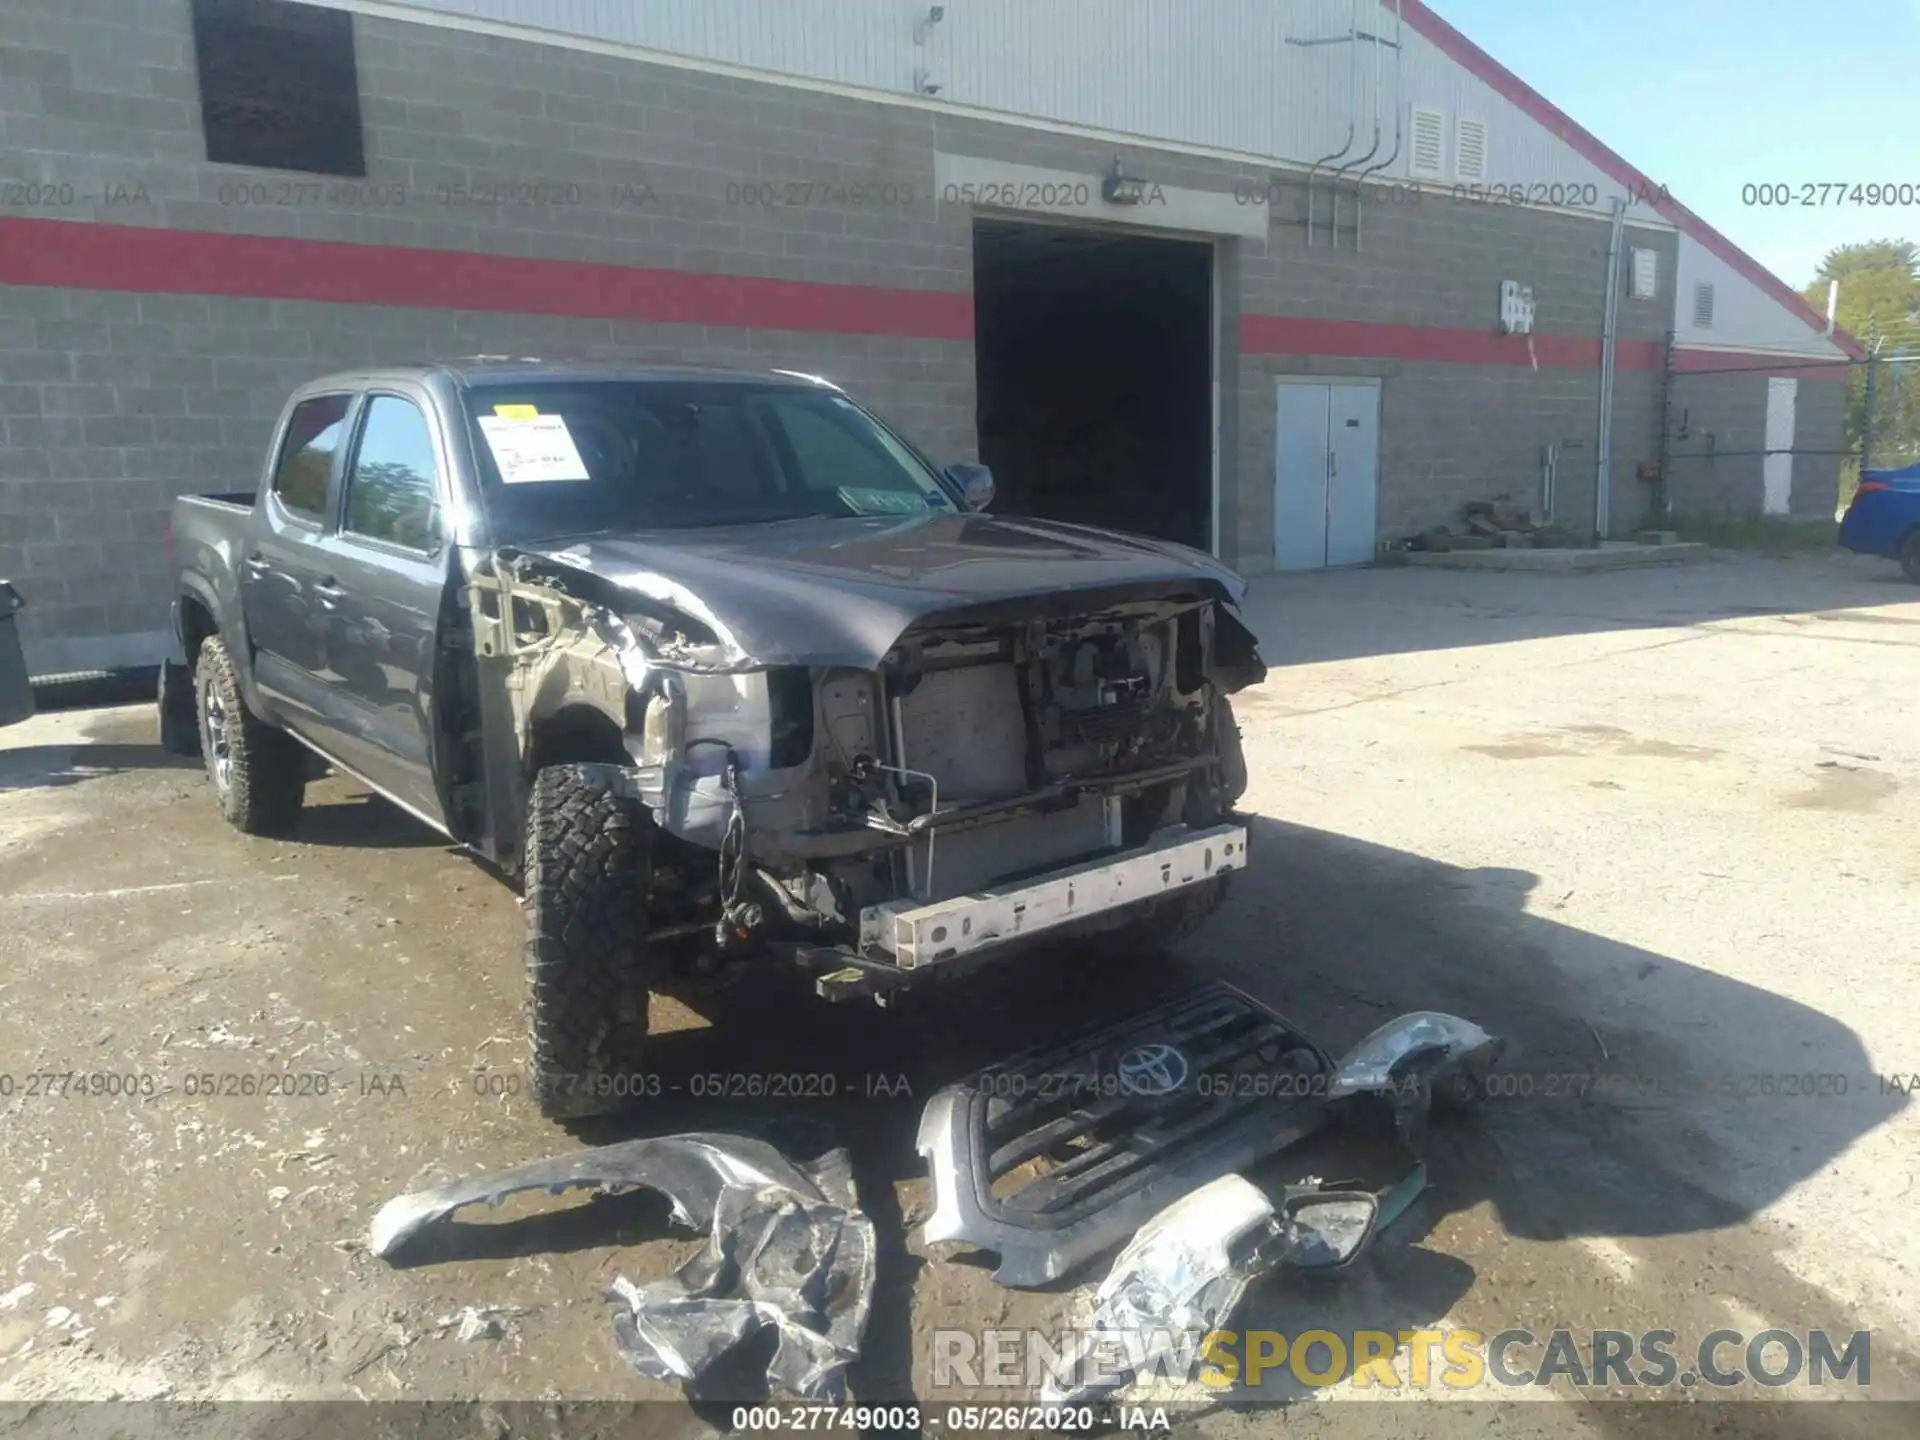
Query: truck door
x,y
385,574
277,565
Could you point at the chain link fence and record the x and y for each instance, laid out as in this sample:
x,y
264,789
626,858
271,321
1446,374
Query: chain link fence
x,y
1741,441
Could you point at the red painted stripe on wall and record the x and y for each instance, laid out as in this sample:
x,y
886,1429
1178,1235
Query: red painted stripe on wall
x,y
1782,367
1433,344
188,262
86,256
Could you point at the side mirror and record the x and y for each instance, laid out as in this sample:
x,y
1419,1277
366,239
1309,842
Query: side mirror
x,y
975,482
1327,1228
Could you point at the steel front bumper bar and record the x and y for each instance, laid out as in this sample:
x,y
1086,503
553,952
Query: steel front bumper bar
x,y
920,935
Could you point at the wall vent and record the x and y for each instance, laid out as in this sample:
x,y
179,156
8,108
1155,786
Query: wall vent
x,y
1470,149
1702,305
1427,155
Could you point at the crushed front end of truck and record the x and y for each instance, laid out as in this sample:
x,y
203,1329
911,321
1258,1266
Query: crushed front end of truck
x,y
993,772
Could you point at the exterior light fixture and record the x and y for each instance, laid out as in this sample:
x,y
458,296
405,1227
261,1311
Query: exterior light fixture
x,y
1120,188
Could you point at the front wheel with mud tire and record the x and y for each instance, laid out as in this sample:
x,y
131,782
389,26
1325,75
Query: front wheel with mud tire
x,y
1233,754
585,869
259,773
1168,921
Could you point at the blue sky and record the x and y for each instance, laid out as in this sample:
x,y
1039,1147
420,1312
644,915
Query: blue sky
x,y
1707,96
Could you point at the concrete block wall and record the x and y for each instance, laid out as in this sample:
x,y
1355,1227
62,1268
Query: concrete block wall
x,y
1819,429
169,405
1455,431
1715,471
114,402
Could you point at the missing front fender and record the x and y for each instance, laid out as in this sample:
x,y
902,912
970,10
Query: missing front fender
x,y
1236,653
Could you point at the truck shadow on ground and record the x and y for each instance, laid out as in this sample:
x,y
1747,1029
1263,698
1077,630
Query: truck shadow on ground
x,y
1585,1134
338,812
1339,935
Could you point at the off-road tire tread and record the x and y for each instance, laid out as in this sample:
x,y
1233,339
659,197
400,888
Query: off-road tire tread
x,y
267,769
584,881
1233,754
1167,922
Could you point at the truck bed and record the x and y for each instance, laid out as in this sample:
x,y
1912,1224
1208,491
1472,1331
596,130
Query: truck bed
x,y
204,539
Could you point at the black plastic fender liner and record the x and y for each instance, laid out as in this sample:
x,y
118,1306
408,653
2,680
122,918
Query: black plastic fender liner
x,y
1054,1156
1236,653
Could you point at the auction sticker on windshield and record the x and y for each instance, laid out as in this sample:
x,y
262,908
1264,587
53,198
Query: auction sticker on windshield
x,y
532,450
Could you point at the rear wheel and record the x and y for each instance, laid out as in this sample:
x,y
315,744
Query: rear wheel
x,y
259,773
585,876
1910,556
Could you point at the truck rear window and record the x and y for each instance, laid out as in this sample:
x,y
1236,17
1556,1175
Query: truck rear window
x,y
305,465
578,457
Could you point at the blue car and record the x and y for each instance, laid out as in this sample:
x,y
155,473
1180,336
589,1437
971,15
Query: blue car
x,y
1884,518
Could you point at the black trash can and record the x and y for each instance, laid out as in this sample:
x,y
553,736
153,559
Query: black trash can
x,y
16,690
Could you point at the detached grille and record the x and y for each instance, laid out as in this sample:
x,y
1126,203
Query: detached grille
x,y
1212,1076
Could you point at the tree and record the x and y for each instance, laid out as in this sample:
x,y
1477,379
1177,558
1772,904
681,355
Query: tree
x,y
1880,298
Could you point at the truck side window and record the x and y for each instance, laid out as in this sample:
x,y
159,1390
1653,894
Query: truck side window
x,y
306,455
391,493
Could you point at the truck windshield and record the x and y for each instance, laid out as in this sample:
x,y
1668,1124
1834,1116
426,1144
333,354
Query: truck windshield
x,y
579,457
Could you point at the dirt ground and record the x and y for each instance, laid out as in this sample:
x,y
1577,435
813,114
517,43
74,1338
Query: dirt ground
x,y
1655,828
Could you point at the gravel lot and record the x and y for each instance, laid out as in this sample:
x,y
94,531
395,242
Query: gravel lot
x,y
1656,828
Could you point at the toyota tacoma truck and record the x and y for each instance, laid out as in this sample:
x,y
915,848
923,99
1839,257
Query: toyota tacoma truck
x,y
722,671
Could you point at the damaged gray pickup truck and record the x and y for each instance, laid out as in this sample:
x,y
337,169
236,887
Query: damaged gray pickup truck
x,y
721,670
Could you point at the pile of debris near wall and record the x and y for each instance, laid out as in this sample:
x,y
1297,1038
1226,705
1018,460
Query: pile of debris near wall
x,y
1499,524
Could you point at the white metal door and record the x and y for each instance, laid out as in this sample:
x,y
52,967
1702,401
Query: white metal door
x,y
1300,459
1326,472
1776,470
1352,473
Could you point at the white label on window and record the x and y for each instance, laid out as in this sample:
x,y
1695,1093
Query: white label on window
x,y
528,451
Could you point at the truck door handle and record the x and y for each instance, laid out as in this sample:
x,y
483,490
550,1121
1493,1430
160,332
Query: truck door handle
x,y
329,591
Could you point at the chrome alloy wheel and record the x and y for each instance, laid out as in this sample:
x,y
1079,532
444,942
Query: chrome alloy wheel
x,y
214,737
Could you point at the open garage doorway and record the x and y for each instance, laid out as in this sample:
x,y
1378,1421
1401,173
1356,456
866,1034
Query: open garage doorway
x,y
1094,368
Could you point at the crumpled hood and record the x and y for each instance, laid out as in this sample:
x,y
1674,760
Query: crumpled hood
x,y
840,591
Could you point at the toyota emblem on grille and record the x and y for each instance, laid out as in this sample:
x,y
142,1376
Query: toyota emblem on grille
x,y
1151,1070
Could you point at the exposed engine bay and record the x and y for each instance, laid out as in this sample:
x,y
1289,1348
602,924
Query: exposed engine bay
x,y
809,804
